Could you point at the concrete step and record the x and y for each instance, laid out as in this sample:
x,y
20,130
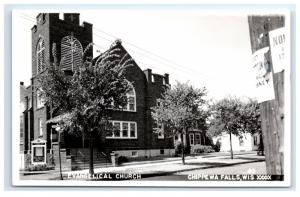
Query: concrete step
x,y
85,159
101,160
86,166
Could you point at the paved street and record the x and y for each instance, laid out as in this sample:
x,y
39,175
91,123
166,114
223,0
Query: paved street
x,y
248,168
172,169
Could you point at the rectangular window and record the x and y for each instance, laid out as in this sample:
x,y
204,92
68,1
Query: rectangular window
x,y
197,139
39,99
134,153
125,129
255,140
54,135
131,103
191,139
176,137
162,151
241,140
40,125
158,103
132,130
117,130
29,103
161,132
21,130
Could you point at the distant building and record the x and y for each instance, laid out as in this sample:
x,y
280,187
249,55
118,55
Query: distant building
x,y
246,142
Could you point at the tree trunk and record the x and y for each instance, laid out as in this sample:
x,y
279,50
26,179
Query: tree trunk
x,y
231,151
261,144
91,163
182,149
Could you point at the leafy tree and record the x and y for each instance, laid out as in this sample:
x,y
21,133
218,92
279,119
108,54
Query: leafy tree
x,y
251,120
232,116
225,117
250,117
178,110
84,98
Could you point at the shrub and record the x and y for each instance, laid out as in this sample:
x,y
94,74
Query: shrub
x,y
74,168
27,160
39,167
122,159
178,148
217,146
50,159
202,149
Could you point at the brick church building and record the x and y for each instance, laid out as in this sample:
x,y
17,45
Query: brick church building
x,y
135,124
136,137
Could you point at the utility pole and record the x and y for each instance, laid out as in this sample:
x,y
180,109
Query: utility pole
x,y
272,111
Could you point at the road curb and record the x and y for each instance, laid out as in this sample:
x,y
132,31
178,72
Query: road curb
x,y
148,175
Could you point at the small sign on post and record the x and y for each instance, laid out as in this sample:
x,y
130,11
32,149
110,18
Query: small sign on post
x,y
264,77
278,43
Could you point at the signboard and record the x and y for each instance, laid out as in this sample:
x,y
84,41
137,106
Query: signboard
x,y
38,151
264,77
278,43
38,154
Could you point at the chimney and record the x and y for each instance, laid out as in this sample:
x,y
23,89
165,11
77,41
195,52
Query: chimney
x,y
148,74
167,78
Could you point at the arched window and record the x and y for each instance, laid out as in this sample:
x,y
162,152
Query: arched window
x,y
71,53
40,55
131,99
39,99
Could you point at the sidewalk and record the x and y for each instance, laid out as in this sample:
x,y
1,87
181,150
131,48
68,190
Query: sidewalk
x,y
174,165
162,167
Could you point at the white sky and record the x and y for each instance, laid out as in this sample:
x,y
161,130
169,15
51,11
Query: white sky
x,y
207,48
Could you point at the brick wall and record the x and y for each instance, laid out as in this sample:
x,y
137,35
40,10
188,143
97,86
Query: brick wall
x,y
137,78
52,29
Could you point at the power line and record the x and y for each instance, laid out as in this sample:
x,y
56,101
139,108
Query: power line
x,y
24,14
170,63
23,17
138,61
143,63
103,38
157,58
147,51
101,47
